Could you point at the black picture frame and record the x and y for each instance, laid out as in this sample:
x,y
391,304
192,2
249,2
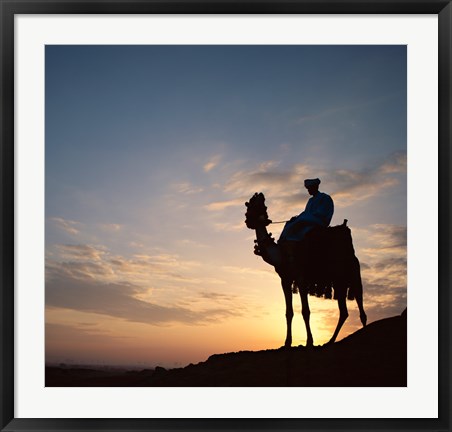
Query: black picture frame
x,y
9,8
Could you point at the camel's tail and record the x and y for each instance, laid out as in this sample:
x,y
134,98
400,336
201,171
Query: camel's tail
x,y
355,290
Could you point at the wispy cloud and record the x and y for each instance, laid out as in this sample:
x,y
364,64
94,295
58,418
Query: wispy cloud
x,y
193,243
119,300
81,251
285,186
211,163
186,188
69,226
89,278
384,273
221,205
267,176
229,227
111,227
97,262
383,240
249,271
350,186
397,163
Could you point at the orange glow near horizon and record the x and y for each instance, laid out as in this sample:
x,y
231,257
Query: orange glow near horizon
x,y
74,337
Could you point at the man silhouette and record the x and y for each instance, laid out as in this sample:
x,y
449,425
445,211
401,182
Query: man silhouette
x,y
318,213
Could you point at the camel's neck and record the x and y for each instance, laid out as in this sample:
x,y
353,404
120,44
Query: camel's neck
x,y
261,233
270,251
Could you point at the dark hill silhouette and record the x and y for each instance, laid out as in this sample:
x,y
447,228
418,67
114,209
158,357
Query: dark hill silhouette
x,y
374,356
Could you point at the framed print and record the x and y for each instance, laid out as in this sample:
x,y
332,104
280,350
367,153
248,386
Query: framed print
x,y
224,215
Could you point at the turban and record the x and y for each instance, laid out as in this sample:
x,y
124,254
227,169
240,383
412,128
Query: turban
x,y
311,182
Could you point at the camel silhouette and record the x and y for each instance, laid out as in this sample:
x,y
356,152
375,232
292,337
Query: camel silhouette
x,y
323,263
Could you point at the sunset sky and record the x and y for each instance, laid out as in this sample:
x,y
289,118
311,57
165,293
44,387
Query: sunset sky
x,y
151,153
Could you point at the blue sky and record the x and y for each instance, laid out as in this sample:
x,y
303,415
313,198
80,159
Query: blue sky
x,y
151,152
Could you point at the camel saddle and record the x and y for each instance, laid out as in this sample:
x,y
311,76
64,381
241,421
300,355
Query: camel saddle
x,y
327,258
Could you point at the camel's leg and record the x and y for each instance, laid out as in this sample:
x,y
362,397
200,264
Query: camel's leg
x,y
305,311
287,288
362,314
343,315
358,289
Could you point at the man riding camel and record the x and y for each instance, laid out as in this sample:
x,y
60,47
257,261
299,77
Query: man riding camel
x,y
318,213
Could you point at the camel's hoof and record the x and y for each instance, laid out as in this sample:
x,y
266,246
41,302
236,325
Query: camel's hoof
x,y
329,343
284,348
310,343
363,318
